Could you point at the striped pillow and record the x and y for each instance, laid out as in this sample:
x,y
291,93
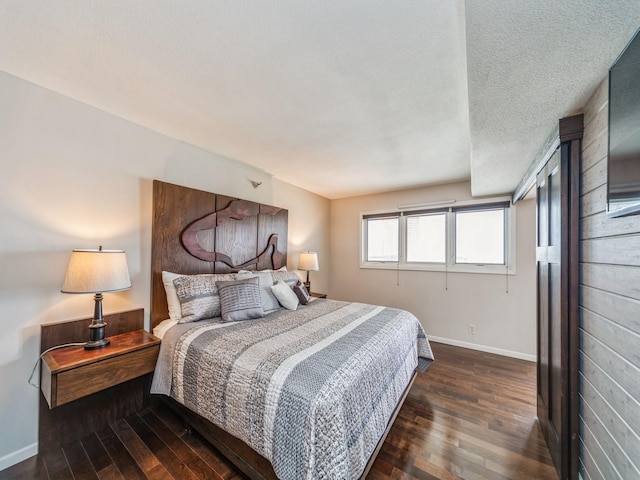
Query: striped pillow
x,y
240,299
301,292
269,301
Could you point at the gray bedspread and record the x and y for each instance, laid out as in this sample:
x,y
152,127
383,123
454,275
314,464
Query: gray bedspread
x,y
311,390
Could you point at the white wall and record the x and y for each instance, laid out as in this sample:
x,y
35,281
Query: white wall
x,y
73,176
505,322
310,215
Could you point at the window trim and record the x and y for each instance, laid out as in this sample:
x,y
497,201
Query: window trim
x,y
450,266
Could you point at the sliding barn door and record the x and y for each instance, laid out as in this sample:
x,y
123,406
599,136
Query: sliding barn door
x,y
557,269
552,385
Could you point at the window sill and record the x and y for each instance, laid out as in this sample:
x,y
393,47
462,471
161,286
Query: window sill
x,y
482,269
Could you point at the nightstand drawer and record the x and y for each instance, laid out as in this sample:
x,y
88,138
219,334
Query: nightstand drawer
x,y
92,378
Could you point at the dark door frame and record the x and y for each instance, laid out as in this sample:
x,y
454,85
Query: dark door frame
x,y
571,133
568,139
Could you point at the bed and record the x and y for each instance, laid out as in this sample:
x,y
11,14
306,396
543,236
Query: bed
x,y
309,392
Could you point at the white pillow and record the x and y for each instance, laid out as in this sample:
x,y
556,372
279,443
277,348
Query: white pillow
x,y
285,295
173,302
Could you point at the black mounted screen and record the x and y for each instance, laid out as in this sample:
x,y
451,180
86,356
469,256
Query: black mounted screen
x,y
623,189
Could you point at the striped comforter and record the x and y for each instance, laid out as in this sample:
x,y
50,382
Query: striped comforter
x,y
311,390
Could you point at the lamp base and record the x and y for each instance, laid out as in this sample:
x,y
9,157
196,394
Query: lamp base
x,y
91,345
96,335
307,285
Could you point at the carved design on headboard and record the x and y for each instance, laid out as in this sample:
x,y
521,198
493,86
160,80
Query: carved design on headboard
x,y
277,257
237,210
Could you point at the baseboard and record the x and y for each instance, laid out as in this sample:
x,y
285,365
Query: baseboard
x,y
484,348
18,456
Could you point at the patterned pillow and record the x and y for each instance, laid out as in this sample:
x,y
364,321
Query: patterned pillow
x,y
198,296
281,269
285,295
240,299
269,301
301,292
290,278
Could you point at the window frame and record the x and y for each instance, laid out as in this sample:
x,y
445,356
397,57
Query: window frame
x,y
450,265
404,228
365,235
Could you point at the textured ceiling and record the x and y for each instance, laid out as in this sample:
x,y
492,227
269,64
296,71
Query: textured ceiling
x,y
339,97
530,64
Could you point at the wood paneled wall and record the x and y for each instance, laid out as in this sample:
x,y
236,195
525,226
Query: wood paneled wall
x,y
609,316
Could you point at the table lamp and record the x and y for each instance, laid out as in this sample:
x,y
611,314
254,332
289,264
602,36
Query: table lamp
x,y
308,261
97,271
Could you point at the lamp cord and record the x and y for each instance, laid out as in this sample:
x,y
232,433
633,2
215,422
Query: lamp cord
x,y
506,277
42,354
448,257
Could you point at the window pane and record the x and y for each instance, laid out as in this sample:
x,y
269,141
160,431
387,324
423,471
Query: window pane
x,y
426,238
382,240
480,237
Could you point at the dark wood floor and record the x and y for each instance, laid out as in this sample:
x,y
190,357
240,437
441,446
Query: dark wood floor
x,y
471,415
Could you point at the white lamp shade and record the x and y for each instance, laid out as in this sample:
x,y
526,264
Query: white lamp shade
x,y
308,261
96,271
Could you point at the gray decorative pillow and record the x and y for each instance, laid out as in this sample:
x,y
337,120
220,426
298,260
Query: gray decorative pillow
x,y
285,295
240,300
265,280
301,292
198,296
290,278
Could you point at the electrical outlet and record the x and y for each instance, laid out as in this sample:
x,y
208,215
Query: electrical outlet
x,y
472,328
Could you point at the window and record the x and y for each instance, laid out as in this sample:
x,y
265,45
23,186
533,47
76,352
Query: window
x,y
480,237
382,239
427,238
470,237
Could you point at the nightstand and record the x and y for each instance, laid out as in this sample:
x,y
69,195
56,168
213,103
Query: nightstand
x,y
318,295
71,373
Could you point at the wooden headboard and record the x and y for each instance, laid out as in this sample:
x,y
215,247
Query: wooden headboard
x,y
200,232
